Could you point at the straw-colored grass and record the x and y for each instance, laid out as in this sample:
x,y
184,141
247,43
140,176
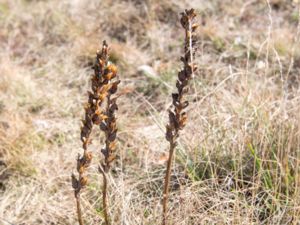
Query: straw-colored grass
x,y
237,159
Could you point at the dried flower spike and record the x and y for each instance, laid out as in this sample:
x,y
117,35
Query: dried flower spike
x,y
177,116
93,115
108,124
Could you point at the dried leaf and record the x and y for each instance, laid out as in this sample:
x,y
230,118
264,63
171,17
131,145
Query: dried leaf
x,y
109,75
112,68
172,119
104,152
96,119
194,27
183,120
113,107
184,105
81,169
112,136
111,158
103,126
169,133
114,87
175,97
74,182
88,157
83,181
112,146
182,75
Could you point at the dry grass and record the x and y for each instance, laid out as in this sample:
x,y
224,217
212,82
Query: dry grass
x,y
238,156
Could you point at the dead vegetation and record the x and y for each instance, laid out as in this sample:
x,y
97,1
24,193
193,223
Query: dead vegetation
x,y
178,116
104,85
237,160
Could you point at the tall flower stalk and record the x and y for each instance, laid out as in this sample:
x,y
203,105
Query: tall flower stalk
x,y
108,123
177,115
103,85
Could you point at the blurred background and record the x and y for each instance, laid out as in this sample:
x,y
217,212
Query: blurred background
x,y
238,157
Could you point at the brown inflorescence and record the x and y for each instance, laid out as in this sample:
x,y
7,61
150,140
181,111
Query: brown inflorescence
x,y
177,115
109,127
103,86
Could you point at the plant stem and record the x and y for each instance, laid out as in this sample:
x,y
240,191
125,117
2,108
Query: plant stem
x,y
167,183
104,171
104,198
79,214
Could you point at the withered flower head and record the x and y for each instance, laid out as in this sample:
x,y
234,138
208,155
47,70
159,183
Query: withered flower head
x,y
177,114
103,84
